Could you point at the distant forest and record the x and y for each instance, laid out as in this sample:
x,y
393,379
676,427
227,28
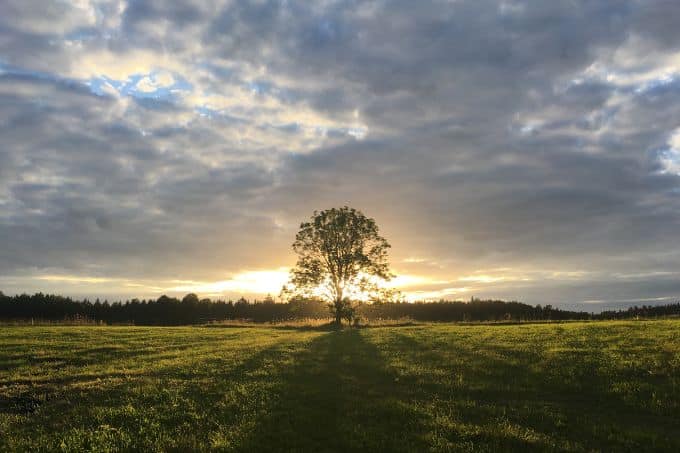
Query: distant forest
x,y
192,310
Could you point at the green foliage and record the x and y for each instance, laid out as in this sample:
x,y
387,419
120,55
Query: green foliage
x,y
339,251
598,386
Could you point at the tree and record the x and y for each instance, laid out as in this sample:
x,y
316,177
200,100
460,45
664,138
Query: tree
x,y
190,299
340,254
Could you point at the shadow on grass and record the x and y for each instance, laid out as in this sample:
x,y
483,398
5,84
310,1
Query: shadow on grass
x,y
327,327
86,357
176,407
339,396
329,392
504,398
349,390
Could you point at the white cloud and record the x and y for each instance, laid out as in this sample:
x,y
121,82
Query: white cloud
x,y
155,81
670,157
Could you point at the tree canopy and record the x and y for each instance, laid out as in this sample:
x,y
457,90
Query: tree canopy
x,y
341,256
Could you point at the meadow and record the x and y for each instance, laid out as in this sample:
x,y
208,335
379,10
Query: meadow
x,y
587,386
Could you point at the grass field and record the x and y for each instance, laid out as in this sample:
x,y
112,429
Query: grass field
x,y
570,387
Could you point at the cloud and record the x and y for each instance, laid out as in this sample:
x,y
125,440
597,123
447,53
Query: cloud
x,y
158,141
149,84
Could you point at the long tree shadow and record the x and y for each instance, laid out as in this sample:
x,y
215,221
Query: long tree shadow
x,y
339,396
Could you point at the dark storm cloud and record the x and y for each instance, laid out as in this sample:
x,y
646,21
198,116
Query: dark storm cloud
x,y
498,134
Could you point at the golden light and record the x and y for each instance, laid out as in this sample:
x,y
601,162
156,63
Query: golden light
x,y
246,282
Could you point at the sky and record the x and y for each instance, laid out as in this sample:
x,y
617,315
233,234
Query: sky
x,y
525,150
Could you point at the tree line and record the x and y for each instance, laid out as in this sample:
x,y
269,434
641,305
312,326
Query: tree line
x,y
193,310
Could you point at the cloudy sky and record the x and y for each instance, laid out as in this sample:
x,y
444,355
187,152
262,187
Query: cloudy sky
x,y
517,149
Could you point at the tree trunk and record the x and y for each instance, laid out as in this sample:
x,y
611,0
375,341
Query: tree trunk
x,y
338,303
338,312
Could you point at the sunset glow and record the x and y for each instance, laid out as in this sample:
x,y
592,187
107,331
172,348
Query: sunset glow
x,y
151,150
333,226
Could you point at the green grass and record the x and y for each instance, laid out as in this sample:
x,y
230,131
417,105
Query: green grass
x,y
565,387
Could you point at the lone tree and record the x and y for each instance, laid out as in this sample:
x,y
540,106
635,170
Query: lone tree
x,y
340,254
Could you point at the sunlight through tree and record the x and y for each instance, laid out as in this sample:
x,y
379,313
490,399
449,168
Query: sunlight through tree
x,y
341,258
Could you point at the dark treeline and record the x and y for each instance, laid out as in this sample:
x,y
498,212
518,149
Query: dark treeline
x,y
646,311
192,310
474,310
